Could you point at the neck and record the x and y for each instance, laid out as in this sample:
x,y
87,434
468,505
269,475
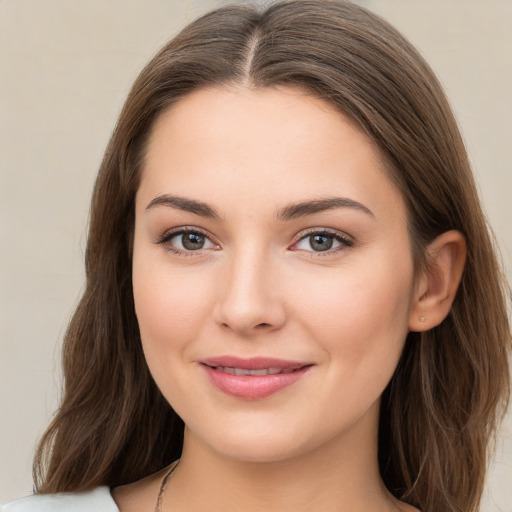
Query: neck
x,y
341,475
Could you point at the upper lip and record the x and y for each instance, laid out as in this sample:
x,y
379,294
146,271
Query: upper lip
x,y
253,363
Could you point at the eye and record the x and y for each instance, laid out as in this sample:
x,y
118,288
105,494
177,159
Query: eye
x,y
323,241
186,240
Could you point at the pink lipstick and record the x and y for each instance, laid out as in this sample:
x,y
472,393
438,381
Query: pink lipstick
x,y
254,378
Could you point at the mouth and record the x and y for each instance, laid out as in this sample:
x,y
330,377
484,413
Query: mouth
x,y
254,363
255,378
247,372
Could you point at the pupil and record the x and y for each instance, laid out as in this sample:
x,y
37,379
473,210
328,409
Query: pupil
x,y
193,241
321,242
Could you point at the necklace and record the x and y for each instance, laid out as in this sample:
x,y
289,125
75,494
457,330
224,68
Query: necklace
x,y
158,504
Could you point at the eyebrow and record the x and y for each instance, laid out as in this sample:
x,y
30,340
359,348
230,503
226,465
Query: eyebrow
x,y
187,205
296,210
290,211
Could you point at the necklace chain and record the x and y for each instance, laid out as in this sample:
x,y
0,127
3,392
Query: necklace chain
x,y
160,497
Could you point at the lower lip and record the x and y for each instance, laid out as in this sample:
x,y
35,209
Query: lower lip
x,y
253,387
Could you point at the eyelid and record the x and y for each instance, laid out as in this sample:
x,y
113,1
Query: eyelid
x,y
173,232
345,240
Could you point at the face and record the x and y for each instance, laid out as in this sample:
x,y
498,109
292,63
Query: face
x,y
272,271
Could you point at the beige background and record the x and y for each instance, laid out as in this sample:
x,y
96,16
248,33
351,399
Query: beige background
x,y
65,68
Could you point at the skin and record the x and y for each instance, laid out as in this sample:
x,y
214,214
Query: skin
x,y
259,288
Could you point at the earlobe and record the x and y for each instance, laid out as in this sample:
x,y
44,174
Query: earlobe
x,y
438,284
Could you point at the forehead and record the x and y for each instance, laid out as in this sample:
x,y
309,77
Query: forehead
x,y
265,144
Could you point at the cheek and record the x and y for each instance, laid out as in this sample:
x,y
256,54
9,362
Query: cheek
x,y
360,322
171,308
359,315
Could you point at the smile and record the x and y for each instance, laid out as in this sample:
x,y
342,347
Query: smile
x,y
255,378
245,371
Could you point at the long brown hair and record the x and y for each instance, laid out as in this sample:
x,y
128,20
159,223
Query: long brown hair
x,y
441,408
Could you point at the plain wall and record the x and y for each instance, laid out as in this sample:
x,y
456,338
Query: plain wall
x,y
65,69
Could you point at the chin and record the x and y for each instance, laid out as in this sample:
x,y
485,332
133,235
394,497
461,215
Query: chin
x,y
263,443
259,450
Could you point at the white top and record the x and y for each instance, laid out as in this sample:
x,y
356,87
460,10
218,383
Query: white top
x,y
97,500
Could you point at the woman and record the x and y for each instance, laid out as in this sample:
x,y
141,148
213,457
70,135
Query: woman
x,y
291,289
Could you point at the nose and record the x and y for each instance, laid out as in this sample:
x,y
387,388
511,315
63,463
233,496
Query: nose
x,y
250,297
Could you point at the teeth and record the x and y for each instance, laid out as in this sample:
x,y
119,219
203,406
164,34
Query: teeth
x,y
246,372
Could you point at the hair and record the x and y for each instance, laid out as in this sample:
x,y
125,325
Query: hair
x,y
440,411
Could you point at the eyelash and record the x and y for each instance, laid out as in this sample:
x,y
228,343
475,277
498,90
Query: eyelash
x,y
169,235
342,239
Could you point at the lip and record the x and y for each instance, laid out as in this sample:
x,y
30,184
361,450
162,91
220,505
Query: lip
x,y
253,387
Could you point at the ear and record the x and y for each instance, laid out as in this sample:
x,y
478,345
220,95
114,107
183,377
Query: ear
x,y
438,284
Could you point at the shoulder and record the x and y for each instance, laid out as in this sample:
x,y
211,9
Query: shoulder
x,y
96,500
